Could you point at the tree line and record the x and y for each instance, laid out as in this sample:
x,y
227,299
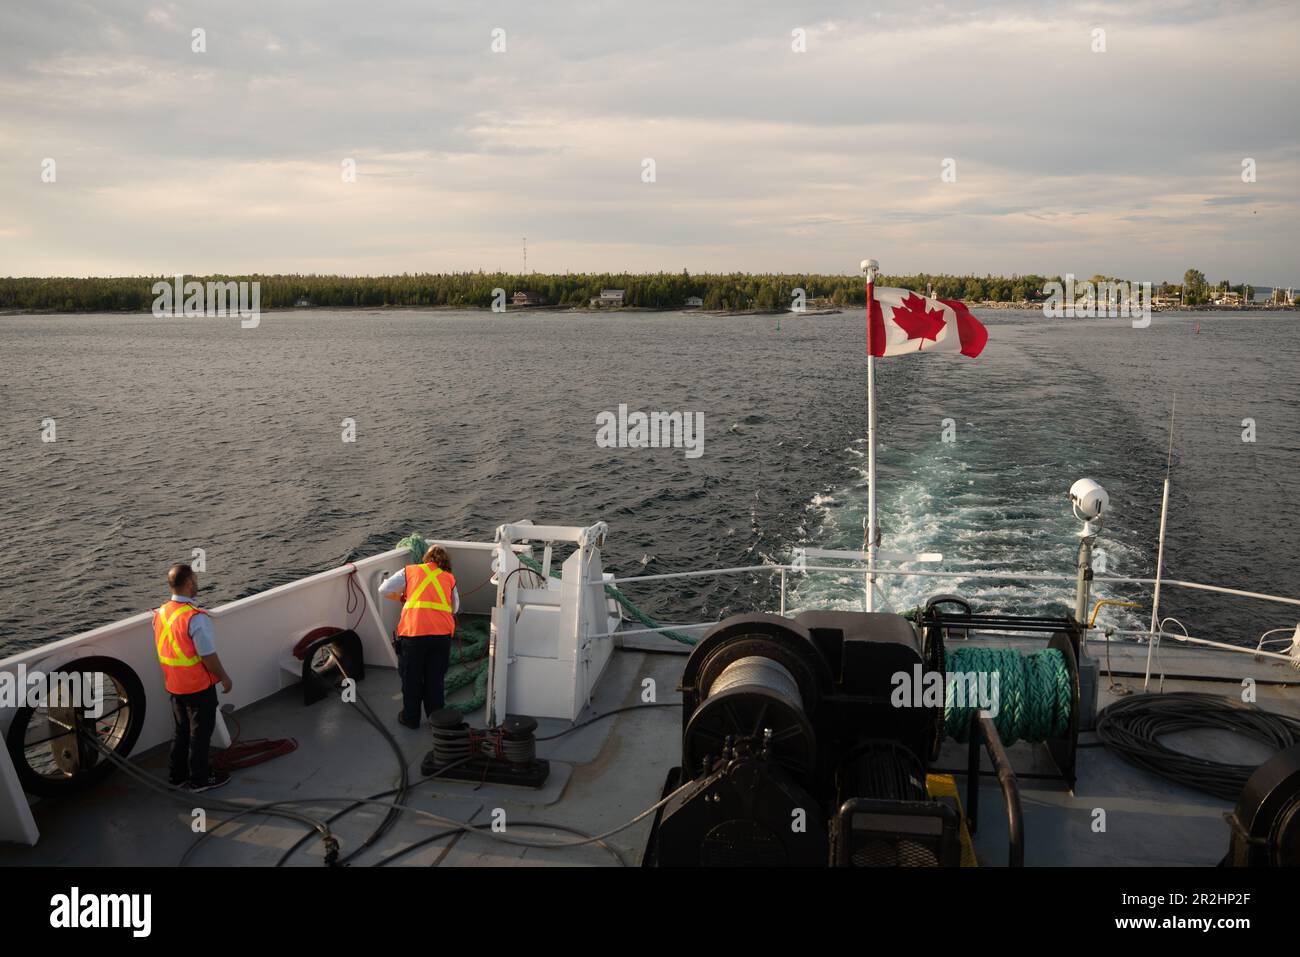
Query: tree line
x,y
721,291
1196,290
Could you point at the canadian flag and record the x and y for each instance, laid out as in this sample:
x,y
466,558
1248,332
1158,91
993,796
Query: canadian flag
x,y
903,322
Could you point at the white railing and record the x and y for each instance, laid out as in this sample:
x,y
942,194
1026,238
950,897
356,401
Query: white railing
x,y
1292,656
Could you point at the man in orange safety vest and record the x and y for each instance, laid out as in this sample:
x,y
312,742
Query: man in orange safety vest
x,y
192,670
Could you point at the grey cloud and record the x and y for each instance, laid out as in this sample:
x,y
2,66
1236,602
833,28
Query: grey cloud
x,y
461,147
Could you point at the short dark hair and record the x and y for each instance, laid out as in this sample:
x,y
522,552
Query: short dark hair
x,y
179,575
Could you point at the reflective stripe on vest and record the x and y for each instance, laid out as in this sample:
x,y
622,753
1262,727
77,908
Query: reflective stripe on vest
x,y
427,609
166,640
182,665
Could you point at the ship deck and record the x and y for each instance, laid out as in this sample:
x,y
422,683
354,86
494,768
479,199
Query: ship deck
x,y
605,773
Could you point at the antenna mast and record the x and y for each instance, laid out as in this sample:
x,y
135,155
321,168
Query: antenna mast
x,y
1160,548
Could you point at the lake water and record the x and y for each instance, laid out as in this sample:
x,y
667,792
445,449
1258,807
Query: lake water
x,y
178,434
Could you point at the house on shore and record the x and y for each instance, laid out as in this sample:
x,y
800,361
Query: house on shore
x,y
527,299
608,297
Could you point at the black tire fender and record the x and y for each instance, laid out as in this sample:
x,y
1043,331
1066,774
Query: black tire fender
x,y
124,676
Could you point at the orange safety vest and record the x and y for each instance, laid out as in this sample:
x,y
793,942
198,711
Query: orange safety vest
x,y
183,670
427,609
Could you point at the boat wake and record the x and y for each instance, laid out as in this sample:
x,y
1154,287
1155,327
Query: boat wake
x,y
982,516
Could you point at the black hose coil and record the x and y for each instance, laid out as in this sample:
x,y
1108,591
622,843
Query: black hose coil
x,y
1133,727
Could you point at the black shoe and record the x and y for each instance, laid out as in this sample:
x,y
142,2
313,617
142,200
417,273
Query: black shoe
x,y
413,725
216,779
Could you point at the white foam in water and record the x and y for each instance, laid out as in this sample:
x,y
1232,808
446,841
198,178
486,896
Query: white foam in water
x,y
980,519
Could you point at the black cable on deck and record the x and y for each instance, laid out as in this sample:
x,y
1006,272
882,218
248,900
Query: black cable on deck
x,y
1132,727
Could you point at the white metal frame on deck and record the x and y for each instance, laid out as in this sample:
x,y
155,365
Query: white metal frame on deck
x,y
549,643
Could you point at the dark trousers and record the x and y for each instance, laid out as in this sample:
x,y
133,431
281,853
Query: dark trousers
x,y
422,665
194,716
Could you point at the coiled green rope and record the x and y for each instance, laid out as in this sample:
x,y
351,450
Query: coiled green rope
x,y
1031,696
468,664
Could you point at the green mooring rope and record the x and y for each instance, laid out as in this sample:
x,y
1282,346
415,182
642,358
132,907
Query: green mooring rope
x,y
623,602
1032,694
469,655
469,663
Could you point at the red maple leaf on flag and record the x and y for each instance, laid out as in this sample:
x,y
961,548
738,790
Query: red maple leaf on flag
x,y
917,321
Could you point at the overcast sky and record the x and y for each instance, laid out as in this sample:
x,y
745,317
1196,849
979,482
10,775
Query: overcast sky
x,y
1127,162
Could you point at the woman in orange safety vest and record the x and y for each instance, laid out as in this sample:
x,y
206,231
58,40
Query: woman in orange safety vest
x,y
429,604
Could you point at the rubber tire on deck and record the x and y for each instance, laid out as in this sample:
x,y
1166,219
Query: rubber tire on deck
x,y
126,678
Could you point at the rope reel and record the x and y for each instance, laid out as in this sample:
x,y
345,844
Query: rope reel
x,y
1030,695
753,691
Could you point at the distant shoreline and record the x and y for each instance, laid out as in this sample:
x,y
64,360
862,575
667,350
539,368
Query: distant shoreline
x,y
609,311
708,294
510,310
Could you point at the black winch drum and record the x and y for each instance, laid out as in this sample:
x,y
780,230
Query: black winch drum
x,y
750,696
759,672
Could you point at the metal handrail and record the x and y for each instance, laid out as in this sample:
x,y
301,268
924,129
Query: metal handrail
x,y
785,569
1191,639
1290,639
920,573
983,729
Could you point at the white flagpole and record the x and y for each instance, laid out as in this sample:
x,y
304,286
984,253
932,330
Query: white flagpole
x,y
869,269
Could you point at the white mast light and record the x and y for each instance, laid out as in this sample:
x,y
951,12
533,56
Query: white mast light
x,y
1089,500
